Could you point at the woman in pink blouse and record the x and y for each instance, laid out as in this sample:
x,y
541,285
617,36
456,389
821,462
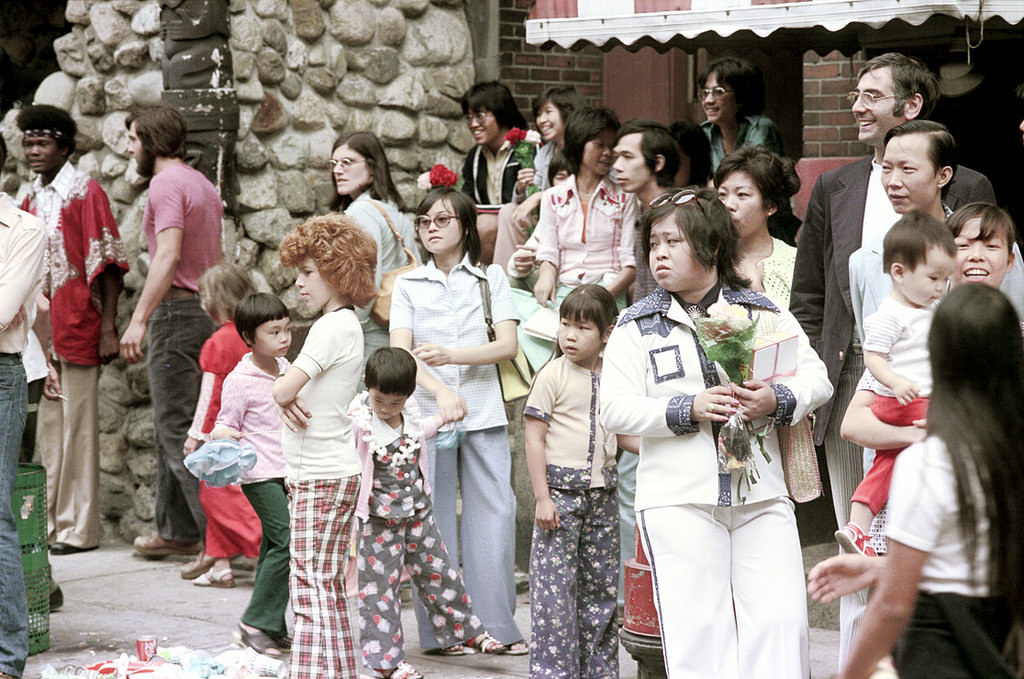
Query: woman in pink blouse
x,y
586,224
586,228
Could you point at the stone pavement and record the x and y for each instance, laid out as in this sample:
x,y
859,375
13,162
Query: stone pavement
x,y
111,597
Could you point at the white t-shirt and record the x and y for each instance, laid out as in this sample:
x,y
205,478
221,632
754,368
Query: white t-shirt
x,y
923,514
900,333
879,215
332,356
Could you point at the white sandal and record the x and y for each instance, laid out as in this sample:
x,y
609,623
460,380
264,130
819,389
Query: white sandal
x,y
403,671
211,578
485,643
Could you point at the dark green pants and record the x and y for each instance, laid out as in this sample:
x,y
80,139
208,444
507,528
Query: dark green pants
x,y
270,586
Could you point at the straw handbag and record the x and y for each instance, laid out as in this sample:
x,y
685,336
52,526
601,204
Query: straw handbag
x,y
800,461
513,373
381,311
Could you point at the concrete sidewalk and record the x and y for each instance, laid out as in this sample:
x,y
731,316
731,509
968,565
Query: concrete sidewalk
x,y
111,597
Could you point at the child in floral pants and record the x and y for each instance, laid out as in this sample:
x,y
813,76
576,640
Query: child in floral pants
x,y
398,525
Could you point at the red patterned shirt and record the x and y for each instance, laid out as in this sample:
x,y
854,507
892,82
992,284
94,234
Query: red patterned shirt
x,y
83,240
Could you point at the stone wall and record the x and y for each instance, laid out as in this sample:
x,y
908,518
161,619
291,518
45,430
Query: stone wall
x,y
305,71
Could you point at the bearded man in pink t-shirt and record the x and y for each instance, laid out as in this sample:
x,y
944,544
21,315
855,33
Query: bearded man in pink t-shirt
x,y
182,223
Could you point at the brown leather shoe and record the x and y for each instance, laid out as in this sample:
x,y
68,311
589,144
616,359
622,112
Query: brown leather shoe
x,y
193,569
155,546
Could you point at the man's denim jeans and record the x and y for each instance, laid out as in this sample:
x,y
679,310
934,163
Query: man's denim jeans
x,y
13,604
177,331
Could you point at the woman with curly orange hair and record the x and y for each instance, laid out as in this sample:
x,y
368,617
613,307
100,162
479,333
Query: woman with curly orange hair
x,y
336,260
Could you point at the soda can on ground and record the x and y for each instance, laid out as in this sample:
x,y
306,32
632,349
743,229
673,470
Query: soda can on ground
x,y
145,648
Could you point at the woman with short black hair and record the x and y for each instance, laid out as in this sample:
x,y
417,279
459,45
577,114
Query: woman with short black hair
x,y
732,95
491,175
756,185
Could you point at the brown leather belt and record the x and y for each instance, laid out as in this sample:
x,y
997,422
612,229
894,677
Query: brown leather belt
x,y
178,293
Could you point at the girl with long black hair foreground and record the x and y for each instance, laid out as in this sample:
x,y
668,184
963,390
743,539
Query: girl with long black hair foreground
x,y
952,582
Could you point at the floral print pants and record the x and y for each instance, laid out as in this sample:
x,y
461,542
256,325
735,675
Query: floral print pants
x,y
574,572
414,542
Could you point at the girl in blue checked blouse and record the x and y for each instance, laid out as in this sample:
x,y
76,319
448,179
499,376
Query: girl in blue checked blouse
x,y
437,314
574,560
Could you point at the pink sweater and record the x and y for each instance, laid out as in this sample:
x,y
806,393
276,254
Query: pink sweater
x,y
247,405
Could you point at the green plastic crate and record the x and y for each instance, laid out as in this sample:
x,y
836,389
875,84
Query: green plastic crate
x,y
29,504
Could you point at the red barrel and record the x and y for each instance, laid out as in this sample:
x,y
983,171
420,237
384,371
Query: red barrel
x,y
638,549
639,615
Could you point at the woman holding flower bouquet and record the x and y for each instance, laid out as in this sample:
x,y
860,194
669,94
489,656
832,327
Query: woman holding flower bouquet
x,y
367,194
716,521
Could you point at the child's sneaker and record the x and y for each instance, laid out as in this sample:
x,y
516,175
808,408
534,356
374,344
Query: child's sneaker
x,y
854,541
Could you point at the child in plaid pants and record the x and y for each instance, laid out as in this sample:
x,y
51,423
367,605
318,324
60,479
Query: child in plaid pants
x,y
336,260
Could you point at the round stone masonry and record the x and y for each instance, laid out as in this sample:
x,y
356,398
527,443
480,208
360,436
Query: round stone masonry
x,y
304,72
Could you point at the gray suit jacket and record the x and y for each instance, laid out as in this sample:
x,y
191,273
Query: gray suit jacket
x,y
820,298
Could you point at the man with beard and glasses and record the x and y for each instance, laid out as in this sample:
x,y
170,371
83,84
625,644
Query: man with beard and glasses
x,y
182,223
85,262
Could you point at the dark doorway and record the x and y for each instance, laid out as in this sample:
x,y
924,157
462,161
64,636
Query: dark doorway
x,y
985,121
27,32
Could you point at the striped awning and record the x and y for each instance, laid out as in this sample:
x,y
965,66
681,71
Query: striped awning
x,y
801,24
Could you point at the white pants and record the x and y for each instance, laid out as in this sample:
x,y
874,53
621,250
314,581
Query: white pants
x,y
729,590
846,464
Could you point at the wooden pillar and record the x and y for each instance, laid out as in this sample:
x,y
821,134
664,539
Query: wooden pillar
x,y
197,74
482,18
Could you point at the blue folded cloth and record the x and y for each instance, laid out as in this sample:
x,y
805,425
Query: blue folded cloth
x,y
221,462
450,437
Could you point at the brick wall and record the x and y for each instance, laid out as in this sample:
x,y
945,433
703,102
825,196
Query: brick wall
x,y
529,70
829,129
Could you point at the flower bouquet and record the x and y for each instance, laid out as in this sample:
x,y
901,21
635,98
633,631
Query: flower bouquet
x,y
437,176
727,337
524,145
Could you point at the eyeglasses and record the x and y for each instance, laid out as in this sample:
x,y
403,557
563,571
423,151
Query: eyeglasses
x,y
715,92
869,98
479,118
442,220
346,163
678,198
